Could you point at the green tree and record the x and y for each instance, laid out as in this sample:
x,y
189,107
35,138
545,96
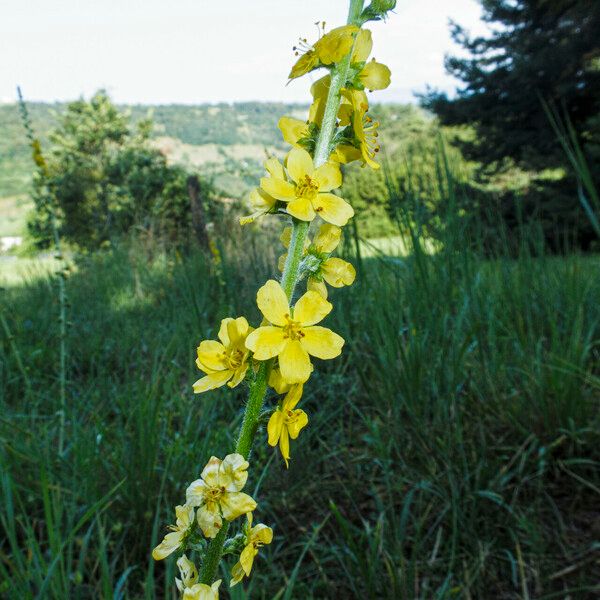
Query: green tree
x,y
537,49
105,177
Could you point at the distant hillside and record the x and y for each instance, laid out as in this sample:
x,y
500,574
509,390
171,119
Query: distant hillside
x,y
225,142
198,135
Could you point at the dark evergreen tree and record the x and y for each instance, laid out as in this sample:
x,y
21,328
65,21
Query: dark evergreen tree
x,y
537,50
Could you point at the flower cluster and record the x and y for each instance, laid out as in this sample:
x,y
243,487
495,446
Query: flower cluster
x,y
278,353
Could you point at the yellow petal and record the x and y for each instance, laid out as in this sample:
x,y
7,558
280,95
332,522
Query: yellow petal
x,y
210,356
273,303
261,534
170,543
184,516
362,46
247,558
286,237
336,44
299,164
333,209
195,492
237,574
284,446
201,591
238,375
210,473
328,176
187,572
292,130
274,168
212,381
302,209
294,362
235,504
311,308
322,342
314,285
278,188
292,398
298,424
338,272
319,90
266,342
274,427
375,76
328,238
345,153
233,472
277,382
306,63
209,519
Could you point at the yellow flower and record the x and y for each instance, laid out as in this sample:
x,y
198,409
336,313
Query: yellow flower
x,y
294,130
217,493
331,48
277,382
184,519
286,422
201,591
335,271
256,536
260,201
374,75
224,362
308,194
293,335
188,573
364,128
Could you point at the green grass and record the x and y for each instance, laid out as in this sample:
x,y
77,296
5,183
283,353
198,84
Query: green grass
x,y
13,219
452,450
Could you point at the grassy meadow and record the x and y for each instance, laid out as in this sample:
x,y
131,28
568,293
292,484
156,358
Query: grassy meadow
x,y
452,451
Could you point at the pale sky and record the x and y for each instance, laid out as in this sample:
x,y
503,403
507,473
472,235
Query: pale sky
x,y
196,51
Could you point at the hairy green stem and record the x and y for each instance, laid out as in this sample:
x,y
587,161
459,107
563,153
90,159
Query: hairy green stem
x,y
289,279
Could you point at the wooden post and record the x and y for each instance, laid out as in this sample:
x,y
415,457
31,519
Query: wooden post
x,y
198,216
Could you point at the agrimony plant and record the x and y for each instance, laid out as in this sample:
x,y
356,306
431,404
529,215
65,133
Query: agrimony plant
x,y
278,353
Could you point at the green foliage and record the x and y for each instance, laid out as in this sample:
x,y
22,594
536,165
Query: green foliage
x,y
537,51
452,453
105,178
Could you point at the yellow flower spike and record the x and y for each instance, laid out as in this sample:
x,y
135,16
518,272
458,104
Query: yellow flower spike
x,y
224,362
308,194
287,422
188,573
256,536
201,591
331,48
218,493
184,518
293,336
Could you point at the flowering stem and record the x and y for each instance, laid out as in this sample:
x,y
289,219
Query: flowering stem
x,y
289,279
